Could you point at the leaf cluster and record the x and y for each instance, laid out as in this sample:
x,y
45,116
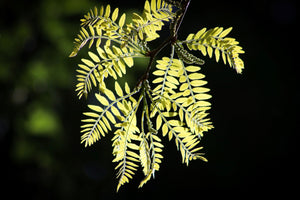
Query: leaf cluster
x,y
175,105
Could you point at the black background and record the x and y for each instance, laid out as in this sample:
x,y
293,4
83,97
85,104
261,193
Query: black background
x,y
252,150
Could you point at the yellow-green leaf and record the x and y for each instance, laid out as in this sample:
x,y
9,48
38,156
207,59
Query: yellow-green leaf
x,y
102,100
98,42
202,96
158,80
131,153
107,11
128,61
147,7
170,135
115,14
122,20
172,80
199,33
158,122
94,57
186,93
194,76
225,32
165,129
153,6
88,62
198,83
95,108
224,57
181,100
209,51
181,115
109,94
192,68
110,117
159,72
115,111
217,54
91,114
175,123
85,31
84,67
182,79
127,88
133,146
92,30
190,37
118,89
200,90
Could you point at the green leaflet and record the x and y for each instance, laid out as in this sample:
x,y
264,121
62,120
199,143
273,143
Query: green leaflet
x,y
171,98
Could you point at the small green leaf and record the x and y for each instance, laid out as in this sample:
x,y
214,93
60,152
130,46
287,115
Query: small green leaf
x,y
91,114
194,76
95,108
118,89
199,33
127,88
110,117
209,51
128,61
202,96
192,68
165,129
147,7
107,11
88,62
109,94
198,83
94,57
158,122
115,14
102,100
159,72
133,146
225,32
217,54
92,30
122,20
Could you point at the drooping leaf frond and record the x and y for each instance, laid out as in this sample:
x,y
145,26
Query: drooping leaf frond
x,y
214,41
124,142
150,148
188,102
154,158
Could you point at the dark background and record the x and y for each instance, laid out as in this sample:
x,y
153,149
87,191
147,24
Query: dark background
x,y
251,151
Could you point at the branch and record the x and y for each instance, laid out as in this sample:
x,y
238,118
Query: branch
x,y
185,6
171,39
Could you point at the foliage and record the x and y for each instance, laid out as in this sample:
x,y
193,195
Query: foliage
x,y
175,104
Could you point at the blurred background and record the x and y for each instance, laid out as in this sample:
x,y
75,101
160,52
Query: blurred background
x,y
251,151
